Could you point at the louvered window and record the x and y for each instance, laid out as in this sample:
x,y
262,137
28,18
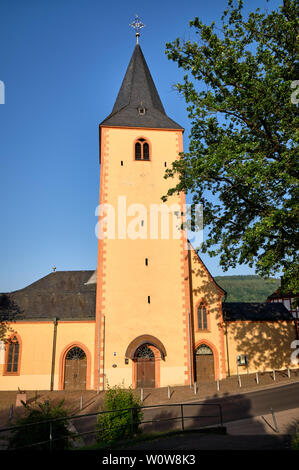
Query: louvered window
x,y
142,150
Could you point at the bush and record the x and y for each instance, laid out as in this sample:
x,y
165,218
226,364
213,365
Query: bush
x,y
39,432
295,441
117,425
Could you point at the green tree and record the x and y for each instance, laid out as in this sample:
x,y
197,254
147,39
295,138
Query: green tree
x,y
118,424
36,436
239,88
295,441
8,311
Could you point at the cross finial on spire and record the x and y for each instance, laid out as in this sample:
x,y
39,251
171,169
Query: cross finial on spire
x,y
137,25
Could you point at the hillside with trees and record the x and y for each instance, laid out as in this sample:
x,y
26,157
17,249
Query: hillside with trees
x,y
247,288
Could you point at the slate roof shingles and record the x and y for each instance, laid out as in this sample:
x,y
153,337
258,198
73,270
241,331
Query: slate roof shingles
x,y
61,294
254,311
138,90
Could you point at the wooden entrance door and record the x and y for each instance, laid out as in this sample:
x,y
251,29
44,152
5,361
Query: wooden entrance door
x,y
145,365
204,364
146,373
75,370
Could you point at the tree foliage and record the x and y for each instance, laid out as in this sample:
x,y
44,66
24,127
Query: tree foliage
x,y
36,435
295,440
8,311
243,143
117,424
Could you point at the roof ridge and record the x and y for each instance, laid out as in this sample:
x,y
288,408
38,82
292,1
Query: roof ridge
x,y
33,284
151,84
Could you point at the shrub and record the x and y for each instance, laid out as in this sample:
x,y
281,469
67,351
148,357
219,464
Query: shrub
x,y
39,431
295,441
117,425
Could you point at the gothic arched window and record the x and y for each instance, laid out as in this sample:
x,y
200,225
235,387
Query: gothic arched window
x,y
12,356
76,353
202,317
142,150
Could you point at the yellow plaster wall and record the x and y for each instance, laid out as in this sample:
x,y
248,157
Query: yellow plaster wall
x,y
127,281
204,289
36,352
35,358
267,345
70,334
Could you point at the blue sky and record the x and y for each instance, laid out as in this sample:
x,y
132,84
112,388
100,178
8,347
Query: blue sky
x,y
62,62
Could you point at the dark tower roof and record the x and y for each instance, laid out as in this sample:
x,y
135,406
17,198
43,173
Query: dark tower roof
x,y
138,103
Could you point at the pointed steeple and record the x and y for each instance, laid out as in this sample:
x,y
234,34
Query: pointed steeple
x,y
138,103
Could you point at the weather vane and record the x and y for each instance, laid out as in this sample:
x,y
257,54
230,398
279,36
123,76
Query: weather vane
x,y
137,25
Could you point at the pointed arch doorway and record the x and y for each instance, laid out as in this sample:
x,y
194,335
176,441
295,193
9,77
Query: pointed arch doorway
x,y
75,369
204,364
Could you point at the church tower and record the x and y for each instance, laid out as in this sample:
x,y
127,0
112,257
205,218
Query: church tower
x,y
143,294
151,315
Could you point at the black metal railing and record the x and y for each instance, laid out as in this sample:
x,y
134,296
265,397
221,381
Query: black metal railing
x,y
178,416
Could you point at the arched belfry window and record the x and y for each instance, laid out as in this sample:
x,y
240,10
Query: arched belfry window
x,y
202,317
142,149
12,355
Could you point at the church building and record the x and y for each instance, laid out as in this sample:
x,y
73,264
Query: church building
x,y
150,314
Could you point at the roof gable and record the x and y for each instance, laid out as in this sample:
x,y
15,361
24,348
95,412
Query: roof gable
x,y
196,256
